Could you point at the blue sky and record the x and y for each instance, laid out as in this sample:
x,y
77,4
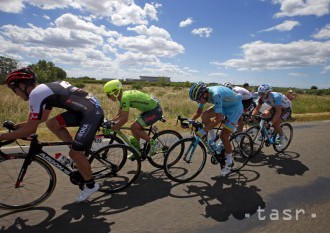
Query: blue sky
x,y
284,43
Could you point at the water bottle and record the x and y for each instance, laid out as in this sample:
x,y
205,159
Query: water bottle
x,y
219,147
66,161
212,144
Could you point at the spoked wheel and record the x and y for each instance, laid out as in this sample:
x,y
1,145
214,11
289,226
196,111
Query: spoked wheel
x,y
242,150
38,184
258,139
164,139
288,135
113,169
185,160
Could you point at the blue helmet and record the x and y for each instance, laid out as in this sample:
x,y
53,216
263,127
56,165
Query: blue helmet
x,y
197,90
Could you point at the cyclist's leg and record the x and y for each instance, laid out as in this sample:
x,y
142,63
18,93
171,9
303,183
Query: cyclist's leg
x,y
58,124
83,140
206,118
146,119
233,114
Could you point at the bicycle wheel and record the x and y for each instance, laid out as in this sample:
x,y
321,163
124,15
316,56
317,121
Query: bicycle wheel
x,y
242,150
164,139
288,134
113,170
38,184
185,160
257,137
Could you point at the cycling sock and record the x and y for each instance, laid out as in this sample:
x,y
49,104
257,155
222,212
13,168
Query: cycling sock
x,y
229,158
90,183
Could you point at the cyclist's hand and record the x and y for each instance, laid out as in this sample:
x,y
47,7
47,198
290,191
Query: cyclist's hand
x,y
107,131
200,133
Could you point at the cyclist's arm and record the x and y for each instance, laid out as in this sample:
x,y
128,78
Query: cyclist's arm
x,y
45,115
256,110
26,130
122,119
216,121
197,114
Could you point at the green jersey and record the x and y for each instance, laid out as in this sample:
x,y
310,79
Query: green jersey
x,y
137,99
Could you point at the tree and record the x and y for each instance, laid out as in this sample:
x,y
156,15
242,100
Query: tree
x,y
47,71
6,65
314,88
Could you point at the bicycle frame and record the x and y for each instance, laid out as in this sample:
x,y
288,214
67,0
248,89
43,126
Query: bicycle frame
x,y
151,130
193,146
269,139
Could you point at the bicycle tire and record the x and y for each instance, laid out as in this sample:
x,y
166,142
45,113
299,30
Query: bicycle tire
x,y
179,170
38,184
258,139
113,170
288,135
164,139
242,150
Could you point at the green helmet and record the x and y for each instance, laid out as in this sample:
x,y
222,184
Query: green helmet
x,y
112,86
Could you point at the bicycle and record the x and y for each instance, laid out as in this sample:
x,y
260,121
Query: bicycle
x,y
187,157
262,135
164,140
29,179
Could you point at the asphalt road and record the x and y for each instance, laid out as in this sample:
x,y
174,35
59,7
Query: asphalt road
x,y
287,192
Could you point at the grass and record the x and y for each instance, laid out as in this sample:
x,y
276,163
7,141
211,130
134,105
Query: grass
x,y
174,101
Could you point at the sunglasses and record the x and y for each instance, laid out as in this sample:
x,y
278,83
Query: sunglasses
x,y
200,99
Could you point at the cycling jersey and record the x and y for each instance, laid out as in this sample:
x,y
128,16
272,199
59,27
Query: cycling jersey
x,y
221,97
84,109
137,99
226,102
60,95
243,92
276,99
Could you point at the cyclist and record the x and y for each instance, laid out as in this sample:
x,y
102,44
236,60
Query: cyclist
x,y
225,103
83,110
147,104
247,101
279,110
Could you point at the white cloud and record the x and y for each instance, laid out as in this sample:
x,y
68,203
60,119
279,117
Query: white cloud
x,y
302,7
202,32
186,22
118,12
46,17
153,31
150,45
324,33
217,75
259,55
297,74
12,6
287,25
72,22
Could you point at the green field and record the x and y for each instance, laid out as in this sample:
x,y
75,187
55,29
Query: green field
x,y
174,101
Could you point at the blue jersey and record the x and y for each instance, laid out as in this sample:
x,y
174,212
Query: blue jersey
x,y
222,97
276,99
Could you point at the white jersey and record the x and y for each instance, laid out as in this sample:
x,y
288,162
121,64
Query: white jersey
x,y
243,92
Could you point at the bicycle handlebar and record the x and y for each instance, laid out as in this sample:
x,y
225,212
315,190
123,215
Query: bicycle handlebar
x,y
185,122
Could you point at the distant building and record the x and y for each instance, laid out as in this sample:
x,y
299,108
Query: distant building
x,y
154,79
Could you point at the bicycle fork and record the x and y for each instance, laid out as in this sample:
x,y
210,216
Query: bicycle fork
x,y
23,170
191,150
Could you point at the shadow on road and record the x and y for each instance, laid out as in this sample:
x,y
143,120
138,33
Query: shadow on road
x,y
228,196
285,163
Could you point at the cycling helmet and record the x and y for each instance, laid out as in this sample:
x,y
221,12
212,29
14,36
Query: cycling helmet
x,y
264,89
197,90
112,86
24,75
246,85
228,84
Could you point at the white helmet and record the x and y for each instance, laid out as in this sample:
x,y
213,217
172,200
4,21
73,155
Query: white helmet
x,y
264,89
228,84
